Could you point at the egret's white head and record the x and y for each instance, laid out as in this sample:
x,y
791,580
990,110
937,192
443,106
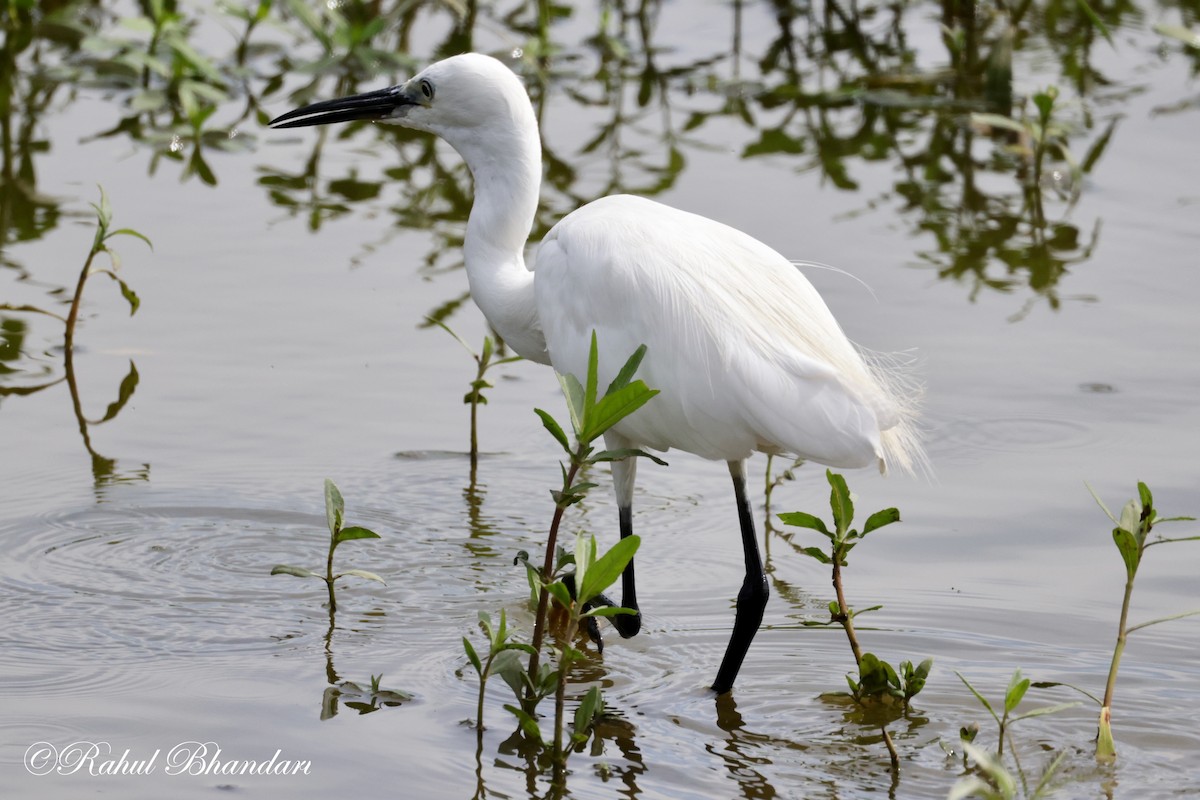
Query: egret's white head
x,y
465,99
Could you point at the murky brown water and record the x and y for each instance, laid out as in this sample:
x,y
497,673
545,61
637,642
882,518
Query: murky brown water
x,y
137,605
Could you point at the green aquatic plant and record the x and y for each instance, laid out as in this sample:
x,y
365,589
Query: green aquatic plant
x,y
484,360
499,643
335,508
1013,695
993,781
103,468
100,245
1138,518
996,781
363,699
878,683
574,583
591,416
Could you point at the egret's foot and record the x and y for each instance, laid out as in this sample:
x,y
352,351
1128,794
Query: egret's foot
x,y
593,631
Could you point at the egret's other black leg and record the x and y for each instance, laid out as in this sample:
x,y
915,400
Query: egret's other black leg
x,y
624,474
752,599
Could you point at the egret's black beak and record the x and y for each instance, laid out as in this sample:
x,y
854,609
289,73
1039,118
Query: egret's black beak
x,y
380,104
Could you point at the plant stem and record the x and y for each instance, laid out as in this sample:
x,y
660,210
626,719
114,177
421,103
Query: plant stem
x,y
483,676
845,618
69,337
891,748
329,577
539,625
560,696
1111,686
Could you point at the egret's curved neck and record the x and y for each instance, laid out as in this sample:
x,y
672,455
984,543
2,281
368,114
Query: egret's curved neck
x,y
506,163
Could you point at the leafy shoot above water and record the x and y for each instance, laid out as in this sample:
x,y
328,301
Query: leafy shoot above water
x,y
878,683
1132,537
994,779
335,516
484,360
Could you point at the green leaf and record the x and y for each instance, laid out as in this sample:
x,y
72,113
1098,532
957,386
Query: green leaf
x,y
511,669
1162,619
996,121
800,519
1131,517
590,388
612,408
549,423
488,348
1044,710
560,593
590,708
866,610
627,372
1100,503
130,232
818,554
361,573
128,385
574,394
978,696
1127,544
624,453
608,611
354,532
585,555
1144,493
299,572
335,507
840,502
1096,21
880,518
472,657
1053,684
608,567
528,724
915,679
129,295
1017,687
1098,147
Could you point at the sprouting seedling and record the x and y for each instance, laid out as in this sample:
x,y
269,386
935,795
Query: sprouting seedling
x,y
475,397
1131,533
1013,695
1001,783
335,515
100,245
878,682
103,468
498,643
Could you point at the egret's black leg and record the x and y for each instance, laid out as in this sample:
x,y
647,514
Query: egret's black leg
x,y
752,599
624,474
627,624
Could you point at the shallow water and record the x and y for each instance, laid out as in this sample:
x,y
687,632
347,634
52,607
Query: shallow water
x,y
138,606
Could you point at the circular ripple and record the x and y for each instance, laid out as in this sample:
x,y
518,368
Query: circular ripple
x,y
1012,434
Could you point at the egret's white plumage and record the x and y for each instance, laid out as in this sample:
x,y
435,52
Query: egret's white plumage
x,y
745,353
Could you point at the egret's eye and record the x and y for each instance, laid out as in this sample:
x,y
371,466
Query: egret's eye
x,y
426,89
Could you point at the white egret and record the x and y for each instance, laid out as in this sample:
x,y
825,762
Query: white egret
x,y
745,353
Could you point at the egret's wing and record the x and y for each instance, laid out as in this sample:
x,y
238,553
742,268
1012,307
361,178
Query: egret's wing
x,y
746,354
